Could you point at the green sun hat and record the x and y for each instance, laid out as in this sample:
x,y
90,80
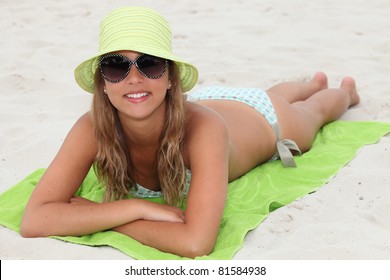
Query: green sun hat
x,y
136,29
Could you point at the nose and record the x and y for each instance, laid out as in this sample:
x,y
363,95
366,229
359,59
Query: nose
x,y
134,76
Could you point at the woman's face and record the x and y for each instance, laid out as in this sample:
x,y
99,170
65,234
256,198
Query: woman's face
x,y
138,97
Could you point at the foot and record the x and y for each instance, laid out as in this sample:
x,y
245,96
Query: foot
x,y
321,80
349,85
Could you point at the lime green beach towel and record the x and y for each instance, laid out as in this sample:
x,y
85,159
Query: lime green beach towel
x,y
250,198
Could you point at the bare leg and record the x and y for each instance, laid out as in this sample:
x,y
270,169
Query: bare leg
x,y
301,120
329,104
299,91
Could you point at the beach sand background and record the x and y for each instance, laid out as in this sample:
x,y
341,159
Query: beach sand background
x,y
237,43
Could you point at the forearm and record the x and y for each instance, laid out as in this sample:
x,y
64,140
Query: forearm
x,y
59,218
175,238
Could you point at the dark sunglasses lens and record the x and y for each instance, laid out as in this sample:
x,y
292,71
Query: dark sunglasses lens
x,y
114,68
151,66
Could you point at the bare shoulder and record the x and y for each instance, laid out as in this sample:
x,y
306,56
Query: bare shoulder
x,y
205,130
202,117
85,123
81,137
71,164
201,120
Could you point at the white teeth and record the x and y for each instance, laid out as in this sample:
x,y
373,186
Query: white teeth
x,y
136,95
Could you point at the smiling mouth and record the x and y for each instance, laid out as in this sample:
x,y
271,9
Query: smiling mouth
x,y
136,95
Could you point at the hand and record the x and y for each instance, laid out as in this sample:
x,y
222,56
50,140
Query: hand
x,y
162,213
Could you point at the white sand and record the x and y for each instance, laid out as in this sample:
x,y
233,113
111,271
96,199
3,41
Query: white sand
x,y
241,43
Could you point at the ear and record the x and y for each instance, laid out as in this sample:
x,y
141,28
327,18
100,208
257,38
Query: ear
x,y
169,85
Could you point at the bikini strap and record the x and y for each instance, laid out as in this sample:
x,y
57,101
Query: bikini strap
x,y
284,147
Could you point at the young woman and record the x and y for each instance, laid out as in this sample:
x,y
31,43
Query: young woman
x,y
144,139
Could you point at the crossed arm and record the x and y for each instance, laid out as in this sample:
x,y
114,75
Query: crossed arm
x,y
53,209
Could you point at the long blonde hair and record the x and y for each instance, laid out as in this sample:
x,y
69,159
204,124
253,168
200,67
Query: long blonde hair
x,y
113,164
